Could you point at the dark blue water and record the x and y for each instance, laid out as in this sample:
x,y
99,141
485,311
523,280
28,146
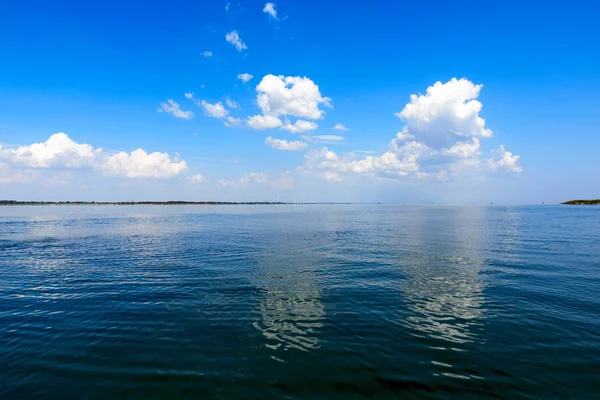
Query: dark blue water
x,y
314,302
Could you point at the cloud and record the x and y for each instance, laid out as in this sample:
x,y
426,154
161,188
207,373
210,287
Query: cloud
x,y
234,38
196,178
329,138
332,166
448,112
61,152
292,95
233,122
441,140
463,149
245,77
504,160
281,144
300,126
58,151
262,122
270,9
207,54
231,103
139,164
173,108
216,110
340,127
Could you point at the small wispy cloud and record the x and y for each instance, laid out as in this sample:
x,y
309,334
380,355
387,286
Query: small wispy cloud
x,y
231,103
196,178
214,110
207,53
330,138
270,9
364,151
245,77
340,127
233,122
173,108
234,38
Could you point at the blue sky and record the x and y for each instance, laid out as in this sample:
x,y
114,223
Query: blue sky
x,y
99,72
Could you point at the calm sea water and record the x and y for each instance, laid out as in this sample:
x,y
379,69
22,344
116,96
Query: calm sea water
x,y
314,302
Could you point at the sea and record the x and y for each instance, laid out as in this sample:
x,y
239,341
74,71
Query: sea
x,y
299,302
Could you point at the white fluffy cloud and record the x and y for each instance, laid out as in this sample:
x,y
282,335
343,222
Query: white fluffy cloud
x,y
207,54
332,166
340,127
270,9
463,149
281,144
262,122
234,38
504,160
173,108
245,77
139,164
441,139
61,152
58,151
292,95
300,126
448,112
216,110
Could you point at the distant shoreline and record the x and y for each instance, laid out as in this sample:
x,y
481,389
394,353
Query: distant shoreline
x,y
582,202
148,203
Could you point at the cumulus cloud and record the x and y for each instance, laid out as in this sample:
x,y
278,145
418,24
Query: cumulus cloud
x,y
207,54
233,122
139,164
245,77
281,144
447,113
504,160
262,122
292,95
270,9
231,103
300,126
61,152
463,149
441,139
216,110
58,151
173,108
340,127
332,166
234,38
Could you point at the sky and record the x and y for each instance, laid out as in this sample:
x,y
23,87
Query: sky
x,y
465,102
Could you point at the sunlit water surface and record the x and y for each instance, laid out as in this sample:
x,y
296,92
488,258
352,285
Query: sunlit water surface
x,y
299,302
